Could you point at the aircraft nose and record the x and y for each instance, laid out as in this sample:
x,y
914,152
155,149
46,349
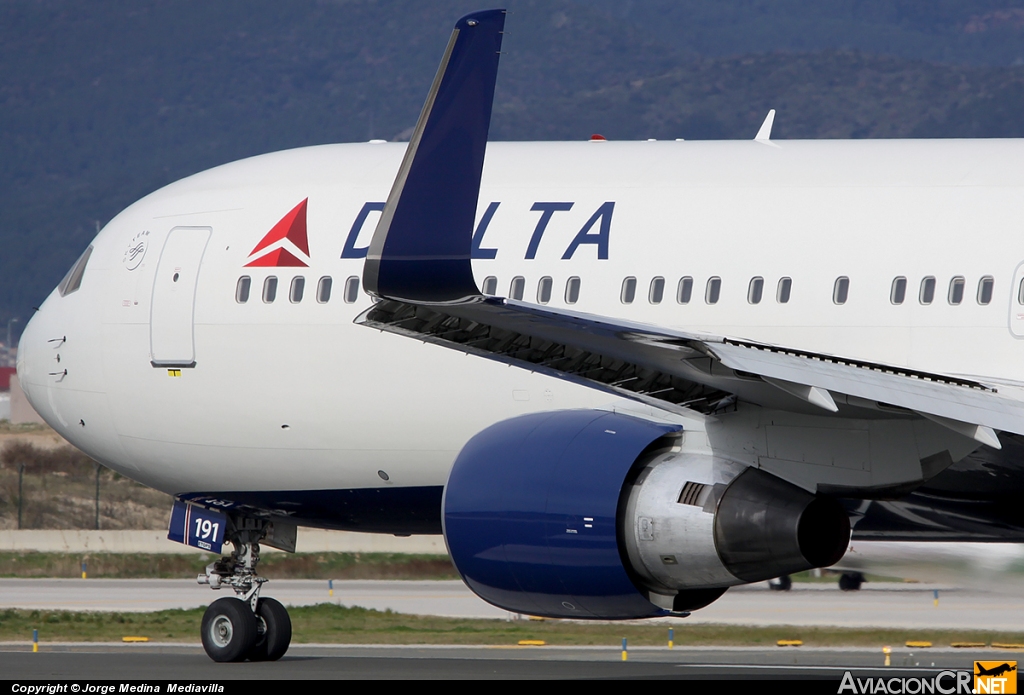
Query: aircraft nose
x,y
33,362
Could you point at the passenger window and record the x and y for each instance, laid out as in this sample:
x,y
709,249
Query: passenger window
x,y
572,290
685,290
351,289
73,280
544,290
985,287
490,285
297,290
898,293
714,289
518,287
323,290
755,290
785,287
269,290
628,292
956,290
242,289
841,290
657,291
1020,293
927,294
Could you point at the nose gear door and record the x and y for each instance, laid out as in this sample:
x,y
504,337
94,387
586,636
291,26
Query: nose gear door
x,y
171,325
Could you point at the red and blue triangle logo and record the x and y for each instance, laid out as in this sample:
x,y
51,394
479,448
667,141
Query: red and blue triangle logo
x,y
286,244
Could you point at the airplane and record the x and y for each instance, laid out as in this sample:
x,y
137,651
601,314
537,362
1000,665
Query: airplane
x,y
619,377
994,671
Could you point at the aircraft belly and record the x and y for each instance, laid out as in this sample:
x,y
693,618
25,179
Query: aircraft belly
x,y
398,510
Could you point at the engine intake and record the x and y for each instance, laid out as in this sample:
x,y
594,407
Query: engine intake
x,y
531,513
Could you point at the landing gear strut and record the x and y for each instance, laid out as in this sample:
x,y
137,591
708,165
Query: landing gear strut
x,y
248,626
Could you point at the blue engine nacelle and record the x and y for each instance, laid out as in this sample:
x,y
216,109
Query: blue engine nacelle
x,y
594,514
531,513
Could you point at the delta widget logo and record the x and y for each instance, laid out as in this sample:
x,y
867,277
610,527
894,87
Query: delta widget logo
x,y
286,245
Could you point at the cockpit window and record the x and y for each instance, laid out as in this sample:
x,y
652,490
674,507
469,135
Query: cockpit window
x,y
73,280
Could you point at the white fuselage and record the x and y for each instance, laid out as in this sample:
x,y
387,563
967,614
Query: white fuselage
x,y
295,396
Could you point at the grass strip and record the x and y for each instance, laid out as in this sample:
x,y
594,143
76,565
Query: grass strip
x,y
272,565
832,577
332,623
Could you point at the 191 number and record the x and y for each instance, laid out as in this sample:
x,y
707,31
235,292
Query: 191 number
x,y
204,527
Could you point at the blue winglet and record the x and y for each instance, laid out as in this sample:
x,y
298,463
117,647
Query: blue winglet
x,y
420,251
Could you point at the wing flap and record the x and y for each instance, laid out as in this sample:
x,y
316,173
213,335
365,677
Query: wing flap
x,y
961,400
569,348
674,369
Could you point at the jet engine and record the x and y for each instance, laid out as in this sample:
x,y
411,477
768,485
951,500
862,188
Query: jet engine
x,y
594,514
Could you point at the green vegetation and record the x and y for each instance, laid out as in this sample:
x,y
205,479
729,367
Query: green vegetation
x,y
810,577
8,427
982,32
332,623
57,490
101,105
832,577
828,94
272,565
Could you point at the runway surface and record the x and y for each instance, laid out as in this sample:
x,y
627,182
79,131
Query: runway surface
x,y
876,605
175,663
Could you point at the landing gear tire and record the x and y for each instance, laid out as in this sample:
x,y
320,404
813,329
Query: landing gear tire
x,y
277,631
783,583
850,581
229,630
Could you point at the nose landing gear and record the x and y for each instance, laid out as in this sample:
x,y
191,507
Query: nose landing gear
x,y
247,626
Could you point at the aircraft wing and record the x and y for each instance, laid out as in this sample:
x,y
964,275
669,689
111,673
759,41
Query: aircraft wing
x,y
675,369
418,266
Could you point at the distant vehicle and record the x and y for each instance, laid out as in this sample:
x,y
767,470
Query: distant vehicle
x,y
620,377
848,581
995,567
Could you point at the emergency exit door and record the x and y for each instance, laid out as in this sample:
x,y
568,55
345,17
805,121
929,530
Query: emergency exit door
x,y
171,318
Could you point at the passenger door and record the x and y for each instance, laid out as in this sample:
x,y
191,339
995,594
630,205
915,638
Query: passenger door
x,y
1017,302
171,324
